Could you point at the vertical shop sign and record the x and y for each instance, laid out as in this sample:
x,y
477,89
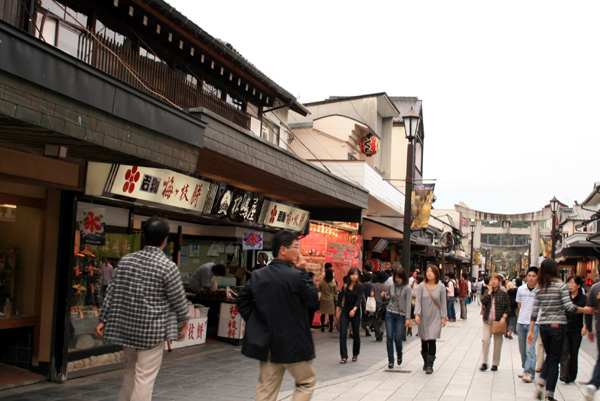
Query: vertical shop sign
x,y
252,240
91,226
422,198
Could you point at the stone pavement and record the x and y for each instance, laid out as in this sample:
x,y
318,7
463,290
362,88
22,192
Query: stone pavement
x,y
217,371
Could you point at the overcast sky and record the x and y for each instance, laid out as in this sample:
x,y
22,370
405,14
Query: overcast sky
x,y
510,90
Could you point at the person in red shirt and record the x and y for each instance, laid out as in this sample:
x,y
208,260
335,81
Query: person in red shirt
x,y
463,293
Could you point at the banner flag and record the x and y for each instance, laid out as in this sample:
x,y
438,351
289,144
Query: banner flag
x,y
422,198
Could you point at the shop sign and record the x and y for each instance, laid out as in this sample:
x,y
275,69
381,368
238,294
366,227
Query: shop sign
x,y
91,226
592,227
283,216
158,186
252,240
234,204
340,253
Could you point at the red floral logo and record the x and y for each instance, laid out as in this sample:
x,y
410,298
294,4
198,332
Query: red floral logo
x,y
132,176
90,222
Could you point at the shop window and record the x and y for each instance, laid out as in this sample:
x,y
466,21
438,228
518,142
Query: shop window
x,y
20,244
90,278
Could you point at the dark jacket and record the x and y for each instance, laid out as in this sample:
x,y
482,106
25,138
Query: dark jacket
x,y
274,304
502,305
349,299
575,320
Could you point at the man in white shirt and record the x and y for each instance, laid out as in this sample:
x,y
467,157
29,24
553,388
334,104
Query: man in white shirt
x,y
525,296
412,278
204,274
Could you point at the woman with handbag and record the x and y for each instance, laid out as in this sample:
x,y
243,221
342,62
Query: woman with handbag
x,y
368,315
496,308
552,300
348,313
398,309
430,314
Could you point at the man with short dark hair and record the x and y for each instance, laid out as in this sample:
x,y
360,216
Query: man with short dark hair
x,y
274,304
524,298
204,274
145,306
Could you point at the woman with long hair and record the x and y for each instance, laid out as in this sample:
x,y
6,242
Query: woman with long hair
x,y
496,307
379,287
328,291
348,313
397,314
552,299
430,314
575,330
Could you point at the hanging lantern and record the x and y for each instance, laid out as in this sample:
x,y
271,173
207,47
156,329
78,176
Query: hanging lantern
x,y
369,145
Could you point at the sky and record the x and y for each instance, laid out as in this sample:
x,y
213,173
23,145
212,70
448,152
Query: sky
x,y
510,89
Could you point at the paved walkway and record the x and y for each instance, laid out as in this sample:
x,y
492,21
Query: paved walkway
x,y
218,371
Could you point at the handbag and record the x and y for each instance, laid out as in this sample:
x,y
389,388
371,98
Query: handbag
x,y
499,327
371,306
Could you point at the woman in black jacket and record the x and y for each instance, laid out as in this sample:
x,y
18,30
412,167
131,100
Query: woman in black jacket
x,y
348,312
575,331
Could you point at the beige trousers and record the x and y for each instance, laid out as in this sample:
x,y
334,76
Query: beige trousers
x,y
271,376
487,335
141,368
540,354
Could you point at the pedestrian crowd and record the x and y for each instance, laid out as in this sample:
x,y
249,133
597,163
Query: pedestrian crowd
x,y
545,313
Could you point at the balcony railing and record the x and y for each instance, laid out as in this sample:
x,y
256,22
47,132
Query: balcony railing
x,y
152,77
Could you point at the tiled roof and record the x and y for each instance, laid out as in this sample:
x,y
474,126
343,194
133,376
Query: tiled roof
x,y
579,213
404,104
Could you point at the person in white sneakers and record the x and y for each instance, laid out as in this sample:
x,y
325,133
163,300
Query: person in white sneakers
x,y
525,296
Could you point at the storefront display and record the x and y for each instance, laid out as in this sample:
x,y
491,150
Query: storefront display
x,y
231,324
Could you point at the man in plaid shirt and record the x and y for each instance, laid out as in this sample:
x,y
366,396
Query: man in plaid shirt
x,y
144,306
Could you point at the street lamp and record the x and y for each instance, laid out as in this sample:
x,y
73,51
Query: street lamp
x,y
554,208
472,245
529,241
411,125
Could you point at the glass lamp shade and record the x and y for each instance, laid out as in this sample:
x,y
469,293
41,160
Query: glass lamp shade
x,y
472,228
554,204
411,124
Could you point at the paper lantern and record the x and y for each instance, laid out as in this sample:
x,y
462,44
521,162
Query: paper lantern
x,y
369,145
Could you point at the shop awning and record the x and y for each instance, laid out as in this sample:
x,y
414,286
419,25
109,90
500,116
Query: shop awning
x,y
373,229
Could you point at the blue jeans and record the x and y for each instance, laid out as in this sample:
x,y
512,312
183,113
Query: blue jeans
x,y
553,339
595,380
345,321
451,310
527,350
394,326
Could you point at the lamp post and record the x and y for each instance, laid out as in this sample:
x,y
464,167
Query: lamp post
x,y
411,125
529,241
554,209
472,227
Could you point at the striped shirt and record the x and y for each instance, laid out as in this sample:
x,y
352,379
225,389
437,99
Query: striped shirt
x,y
554,302
145,301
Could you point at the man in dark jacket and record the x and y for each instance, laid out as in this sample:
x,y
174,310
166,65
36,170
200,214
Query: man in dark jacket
x,y
274,304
